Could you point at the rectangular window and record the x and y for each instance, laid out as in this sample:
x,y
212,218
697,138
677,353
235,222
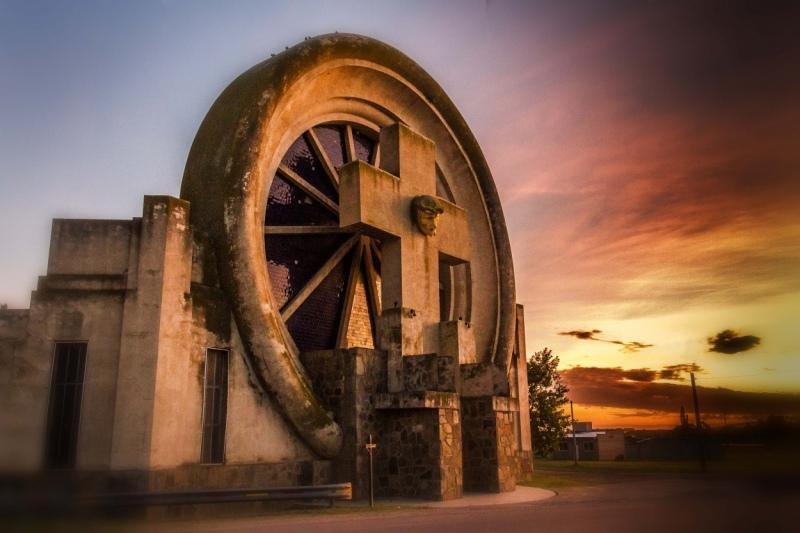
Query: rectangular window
x,y
563,446
66,393
215,406
588,446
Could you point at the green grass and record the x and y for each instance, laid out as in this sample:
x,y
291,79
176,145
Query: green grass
x,y
560,475
738,462
599,467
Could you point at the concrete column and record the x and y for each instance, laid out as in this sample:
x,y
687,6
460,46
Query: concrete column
x,y
490,461
155,343
419,446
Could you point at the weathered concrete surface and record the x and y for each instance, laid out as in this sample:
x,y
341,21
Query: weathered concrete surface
x,y
379,201
349,382
89,246
237,151
490,453
148,314
152,294
153,353
13,332
419,453
519,381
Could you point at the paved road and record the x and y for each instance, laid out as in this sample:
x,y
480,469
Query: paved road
x,y
646,504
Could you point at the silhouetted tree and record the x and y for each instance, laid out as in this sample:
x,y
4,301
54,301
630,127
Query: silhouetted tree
x,y
546,395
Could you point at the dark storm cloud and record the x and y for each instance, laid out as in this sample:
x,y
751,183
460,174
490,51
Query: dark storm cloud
x,y
730,342
613,387
677,372
632,346
642,375
586,335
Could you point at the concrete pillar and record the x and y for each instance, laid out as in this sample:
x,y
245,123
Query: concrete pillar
x,y
419,446
155,343
489,449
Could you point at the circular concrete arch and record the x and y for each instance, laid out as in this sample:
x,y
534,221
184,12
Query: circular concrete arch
x,y
236,152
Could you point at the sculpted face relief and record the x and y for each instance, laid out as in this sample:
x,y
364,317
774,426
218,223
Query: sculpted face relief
x,y
425,210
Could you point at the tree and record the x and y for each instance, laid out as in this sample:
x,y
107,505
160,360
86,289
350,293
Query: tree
x,y
546,396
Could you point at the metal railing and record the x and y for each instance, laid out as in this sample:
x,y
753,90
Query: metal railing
x,y
340,491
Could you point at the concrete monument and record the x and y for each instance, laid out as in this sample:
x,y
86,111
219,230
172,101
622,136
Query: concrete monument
x,y
337,266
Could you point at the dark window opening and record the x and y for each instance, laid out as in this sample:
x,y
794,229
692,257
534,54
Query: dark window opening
x,y
445,291
66,393
215,406
588,446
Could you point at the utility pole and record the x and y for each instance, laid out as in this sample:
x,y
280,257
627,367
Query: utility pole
x,y
700,443
574,438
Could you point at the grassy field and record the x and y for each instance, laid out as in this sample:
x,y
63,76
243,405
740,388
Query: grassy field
x,y
589,467
774,463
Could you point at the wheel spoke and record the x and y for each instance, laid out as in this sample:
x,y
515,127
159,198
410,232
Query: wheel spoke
x,y
303,230
351,143
373,295
307,188
292,305
330,170
376,253
347,309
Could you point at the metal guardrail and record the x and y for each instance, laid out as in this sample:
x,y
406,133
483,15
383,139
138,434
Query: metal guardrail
x,y
340,491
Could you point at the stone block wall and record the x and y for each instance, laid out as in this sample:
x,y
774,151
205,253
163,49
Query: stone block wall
x,y
490,450
419,454
349,382
524,464
429,372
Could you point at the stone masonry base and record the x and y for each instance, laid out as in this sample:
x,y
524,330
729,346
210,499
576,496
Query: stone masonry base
x,y
490,455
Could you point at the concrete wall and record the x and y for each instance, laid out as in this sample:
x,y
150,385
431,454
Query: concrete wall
x,y
13,330
143,294
80,299
524,426
611,445
89,246
583,454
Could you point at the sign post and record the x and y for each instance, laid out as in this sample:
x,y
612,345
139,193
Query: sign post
x,y
370,446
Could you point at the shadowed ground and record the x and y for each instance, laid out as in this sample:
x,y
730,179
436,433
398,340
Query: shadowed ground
x,y
618,497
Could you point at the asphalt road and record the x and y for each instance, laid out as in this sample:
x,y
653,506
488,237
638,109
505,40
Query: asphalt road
x,y
634,503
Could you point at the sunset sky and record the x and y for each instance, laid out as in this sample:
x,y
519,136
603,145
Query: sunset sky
x,y
647,154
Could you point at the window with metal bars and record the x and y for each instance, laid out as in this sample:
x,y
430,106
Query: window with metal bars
x,y
64,413
215,406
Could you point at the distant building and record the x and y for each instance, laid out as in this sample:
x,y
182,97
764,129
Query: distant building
x,y
605,445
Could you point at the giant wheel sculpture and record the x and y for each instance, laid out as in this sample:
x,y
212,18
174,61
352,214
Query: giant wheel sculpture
x,y
262,179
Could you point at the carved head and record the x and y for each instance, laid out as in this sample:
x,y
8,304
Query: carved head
x,y
425,210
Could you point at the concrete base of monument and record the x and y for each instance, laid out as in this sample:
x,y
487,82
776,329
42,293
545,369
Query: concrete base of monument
x,y
432,442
